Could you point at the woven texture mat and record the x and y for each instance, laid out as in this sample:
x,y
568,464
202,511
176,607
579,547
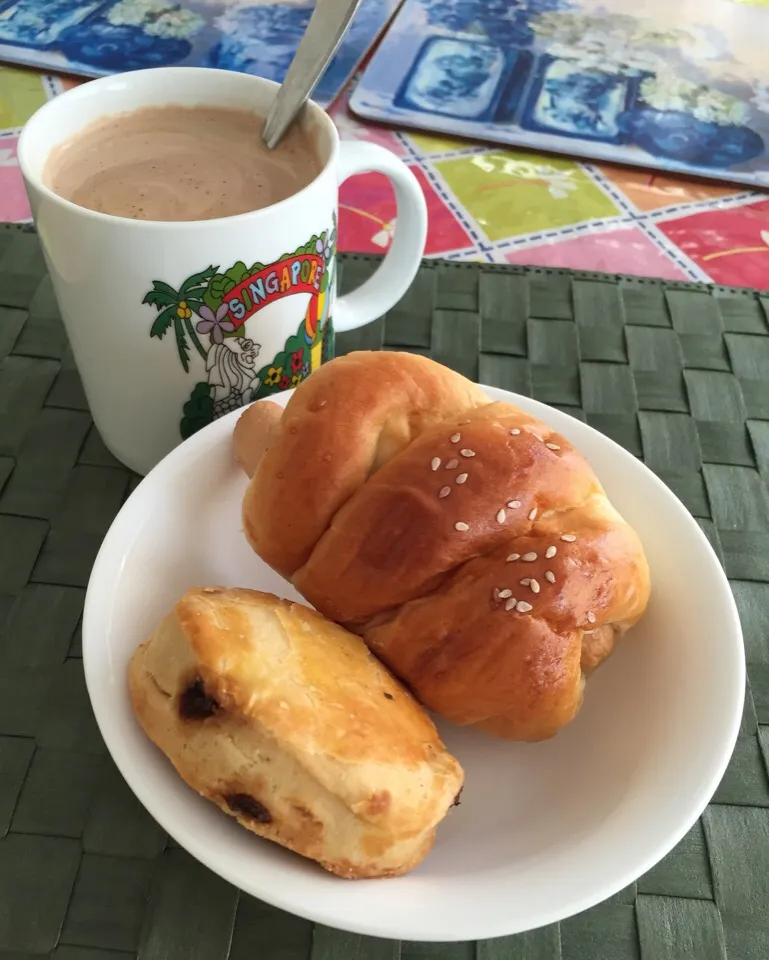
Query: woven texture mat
x,y
677,374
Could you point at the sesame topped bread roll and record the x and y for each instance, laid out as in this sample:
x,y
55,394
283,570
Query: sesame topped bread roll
x,y
288,723
469,544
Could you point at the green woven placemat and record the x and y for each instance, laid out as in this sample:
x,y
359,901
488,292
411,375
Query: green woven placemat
x,y
676,373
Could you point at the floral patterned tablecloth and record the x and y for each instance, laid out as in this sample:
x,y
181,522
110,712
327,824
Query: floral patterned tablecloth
x,y
506,206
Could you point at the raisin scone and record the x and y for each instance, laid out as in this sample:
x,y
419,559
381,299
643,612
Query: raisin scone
x,y
287,722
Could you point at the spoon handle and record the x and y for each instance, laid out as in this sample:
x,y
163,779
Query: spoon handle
x,y
324,32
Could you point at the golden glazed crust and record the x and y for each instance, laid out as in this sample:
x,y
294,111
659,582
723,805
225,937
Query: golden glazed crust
x,y
287,722
471,546
336,431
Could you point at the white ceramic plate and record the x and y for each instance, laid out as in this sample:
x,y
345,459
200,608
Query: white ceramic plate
x,y
544,830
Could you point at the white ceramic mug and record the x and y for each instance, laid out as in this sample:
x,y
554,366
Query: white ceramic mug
x,y
173,324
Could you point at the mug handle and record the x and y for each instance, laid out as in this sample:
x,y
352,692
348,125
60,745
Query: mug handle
x,y
393,278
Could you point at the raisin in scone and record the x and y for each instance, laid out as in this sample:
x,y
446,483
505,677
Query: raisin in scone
x,y
287,722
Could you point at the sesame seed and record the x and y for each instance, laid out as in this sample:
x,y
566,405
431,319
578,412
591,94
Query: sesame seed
x,y
461,526
461,478
550,553
467,453
523,607
501,516
549,576
445,491
514,504
532,513
552,446
525,582
435,463
452,464
529,557
591,617
510,604
504,594
515,431
513,557
455,438
534,586
568,537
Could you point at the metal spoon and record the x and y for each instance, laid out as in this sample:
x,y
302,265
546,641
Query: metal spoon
x,y
324,32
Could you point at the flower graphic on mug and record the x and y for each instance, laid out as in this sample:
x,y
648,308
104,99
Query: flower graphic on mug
x,y
285,382
214,323
323,245
296,379
273,376
305,369
296,361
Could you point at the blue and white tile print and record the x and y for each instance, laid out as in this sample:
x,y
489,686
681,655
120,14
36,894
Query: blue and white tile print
x,y
459,77
36,24
568,100
600,83
98,37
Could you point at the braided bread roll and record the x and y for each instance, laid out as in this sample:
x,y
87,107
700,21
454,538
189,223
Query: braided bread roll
x,y
471,547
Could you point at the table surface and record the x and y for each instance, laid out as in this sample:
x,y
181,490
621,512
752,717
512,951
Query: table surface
x,y
675,373
506,206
